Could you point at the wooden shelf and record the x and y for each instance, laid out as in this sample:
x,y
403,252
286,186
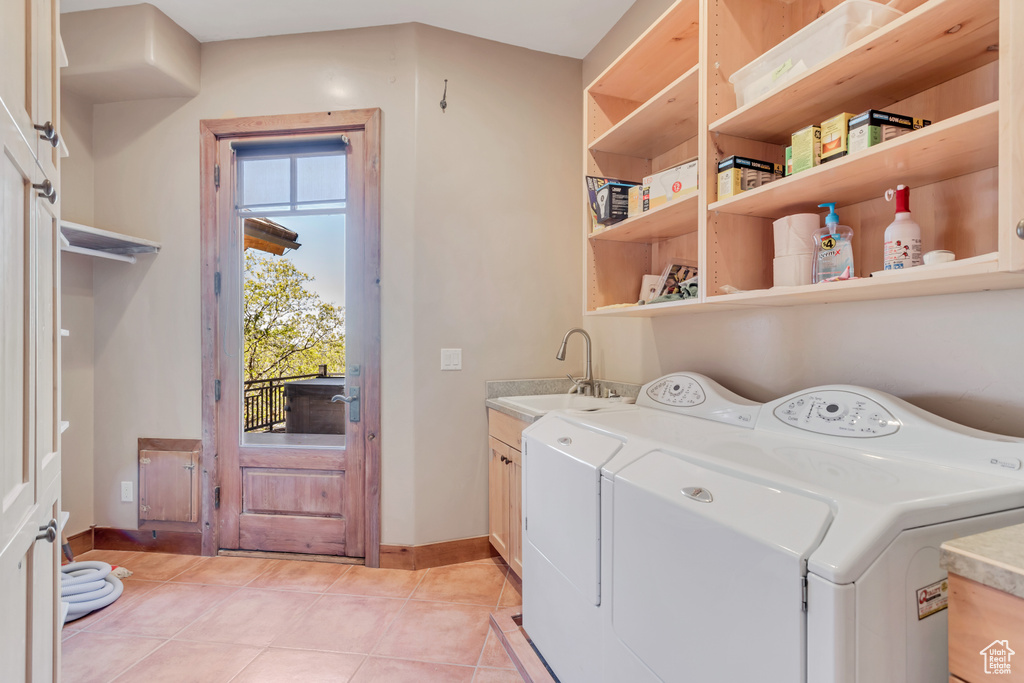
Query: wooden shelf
x,y
84,239
665,50
663,122
954,147
907,56
665,222
980,273
652,310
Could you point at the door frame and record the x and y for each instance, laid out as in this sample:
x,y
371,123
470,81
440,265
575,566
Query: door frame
x,y
367,293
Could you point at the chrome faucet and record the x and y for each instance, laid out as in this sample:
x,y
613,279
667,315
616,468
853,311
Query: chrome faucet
x,y
583,386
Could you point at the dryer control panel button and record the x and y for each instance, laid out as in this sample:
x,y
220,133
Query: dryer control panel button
x,y
838,413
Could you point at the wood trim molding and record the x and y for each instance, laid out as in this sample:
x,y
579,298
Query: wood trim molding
x,y
506,624
210,520
81,542
295,124
436,554
177,542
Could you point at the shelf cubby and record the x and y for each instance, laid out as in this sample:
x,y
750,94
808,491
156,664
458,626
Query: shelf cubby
x,y
665,121
665,222
935,42
948,149
668,48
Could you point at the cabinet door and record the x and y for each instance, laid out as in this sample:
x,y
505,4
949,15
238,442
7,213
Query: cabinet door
x,y
1011,137
515,511
498,497
46,76
29,466
17,77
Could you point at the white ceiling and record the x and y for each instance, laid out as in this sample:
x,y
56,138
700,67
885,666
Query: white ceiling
x,y
561,27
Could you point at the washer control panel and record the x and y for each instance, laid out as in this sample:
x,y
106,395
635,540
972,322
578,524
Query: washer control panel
x,y
676,390
837,413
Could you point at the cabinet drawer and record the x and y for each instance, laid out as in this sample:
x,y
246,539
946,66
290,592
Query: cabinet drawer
x,y
506,429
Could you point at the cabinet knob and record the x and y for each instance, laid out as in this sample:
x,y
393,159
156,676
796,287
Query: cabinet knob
x,y
49,532
46,190
1020,228
48,133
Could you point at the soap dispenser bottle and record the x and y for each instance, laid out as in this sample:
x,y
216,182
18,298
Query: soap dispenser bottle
x,y
833,253
903,236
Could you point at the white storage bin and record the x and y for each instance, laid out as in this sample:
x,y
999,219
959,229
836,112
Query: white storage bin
x,y
811,45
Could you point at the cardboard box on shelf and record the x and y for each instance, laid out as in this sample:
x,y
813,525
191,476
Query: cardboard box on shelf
x,y
806,149
739,174
671,184
874,127
613,202
835,137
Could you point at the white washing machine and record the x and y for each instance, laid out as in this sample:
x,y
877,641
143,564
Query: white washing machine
x,y
801,545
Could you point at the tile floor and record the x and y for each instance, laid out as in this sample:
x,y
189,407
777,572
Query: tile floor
x,y
187,619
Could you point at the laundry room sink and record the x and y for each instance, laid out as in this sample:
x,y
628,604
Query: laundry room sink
x,y
545,403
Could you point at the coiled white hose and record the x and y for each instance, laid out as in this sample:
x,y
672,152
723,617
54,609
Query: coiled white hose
x,y
88,586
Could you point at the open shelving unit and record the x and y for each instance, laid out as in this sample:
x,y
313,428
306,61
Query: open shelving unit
x,y
642,117
958,63
89,241
955,147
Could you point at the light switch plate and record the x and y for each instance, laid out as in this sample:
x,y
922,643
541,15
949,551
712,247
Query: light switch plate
x,y
127,495
451,359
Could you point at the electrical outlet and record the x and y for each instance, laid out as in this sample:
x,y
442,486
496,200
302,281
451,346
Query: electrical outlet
x,y
126,492
451,359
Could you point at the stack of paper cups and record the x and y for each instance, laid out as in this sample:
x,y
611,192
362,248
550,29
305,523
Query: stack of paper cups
x,y
794,245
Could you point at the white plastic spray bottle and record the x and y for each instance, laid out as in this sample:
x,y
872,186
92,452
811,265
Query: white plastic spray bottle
x,y
903,236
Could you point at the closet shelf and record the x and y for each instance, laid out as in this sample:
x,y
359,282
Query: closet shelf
x,y
662,223
668,48
907,56
64,424
83,239
957,146
663,122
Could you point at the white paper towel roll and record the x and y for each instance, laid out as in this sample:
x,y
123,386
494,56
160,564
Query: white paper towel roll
x,y
792,270
795,234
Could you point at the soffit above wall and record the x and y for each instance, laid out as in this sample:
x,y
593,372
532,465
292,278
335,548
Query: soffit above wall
x,y
128,53
562,27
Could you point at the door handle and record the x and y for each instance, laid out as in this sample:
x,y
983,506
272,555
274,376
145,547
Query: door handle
x,y
49,532
353,403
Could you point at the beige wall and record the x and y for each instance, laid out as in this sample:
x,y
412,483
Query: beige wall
x,y
479,250
77,354
954,355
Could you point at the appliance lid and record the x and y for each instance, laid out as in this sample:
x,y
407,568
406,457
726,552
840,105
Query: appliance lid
x,y
873,497
699,553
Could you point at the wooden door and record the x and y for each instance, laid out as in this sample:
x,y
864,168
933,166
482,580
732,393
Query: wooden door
x,y
498,496
289,492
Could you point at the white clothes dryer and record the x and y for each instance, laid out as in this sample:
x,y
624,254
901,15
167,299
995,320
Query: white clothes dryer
x,y
805,548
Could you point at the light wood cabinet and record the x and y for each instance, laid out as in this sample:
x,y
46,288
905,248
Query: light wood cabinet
x,y
505,487
29,345
981,617
667,98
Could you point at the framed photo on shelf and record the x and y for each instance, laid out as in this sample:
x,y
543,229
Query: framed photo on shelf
x,y
674,274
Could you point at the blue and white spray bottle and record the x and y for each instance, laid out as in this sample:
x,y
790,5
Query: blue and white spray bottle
x,y
833,253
